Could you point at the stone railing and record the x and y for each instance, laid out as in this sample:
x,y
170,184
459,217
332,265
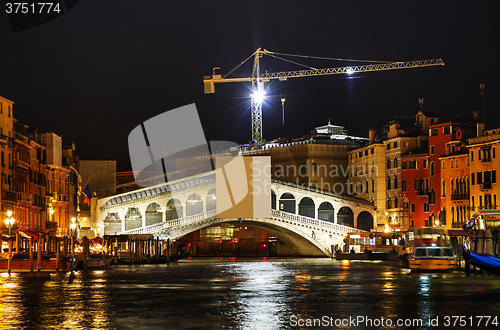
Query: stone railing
x,y
158,227
315,222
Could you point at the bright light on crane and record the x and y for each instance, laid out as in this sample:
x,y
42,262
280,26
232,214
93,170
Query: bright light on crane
x,y
349,71
258,96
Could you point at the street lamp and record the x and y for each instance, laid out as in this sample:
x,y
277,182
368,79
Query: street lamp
x,y
73,226
9,222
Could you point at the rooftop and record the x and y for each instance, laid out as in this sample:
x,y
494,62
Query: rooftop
x,y
457,120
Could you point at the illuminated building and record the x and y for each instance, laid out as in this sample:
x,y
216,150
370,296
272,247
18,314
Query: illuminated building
x,y
484,161
455,187
403,136
318,160
367,175
8,196
29,159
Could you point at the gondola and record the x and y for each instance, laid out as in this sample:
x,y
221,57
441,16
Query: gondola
x,y
485,262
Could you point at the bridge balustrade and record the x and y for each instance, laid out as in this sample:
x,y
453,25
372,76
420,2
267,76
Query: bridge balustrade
x,y
310,221
158,227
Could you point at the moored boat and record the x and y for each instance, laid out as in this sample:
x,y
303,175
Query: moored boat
x,y
431,251
486,262
98,261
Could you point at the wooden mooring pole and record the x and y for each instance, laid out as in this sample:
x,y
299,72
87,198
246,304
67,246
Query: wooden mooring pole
x,y
10,258
168,251
31,254
58,254
39,255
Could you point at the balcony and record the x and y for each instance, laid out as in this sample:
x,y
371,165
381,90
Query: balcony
x,y
486,185
8,196
487,207
458,224
486,160
3,139
423,193
50,225
22,164
24,197
459,197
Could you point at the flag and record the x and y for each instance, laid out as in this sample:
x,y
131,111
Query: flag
x,y
88,195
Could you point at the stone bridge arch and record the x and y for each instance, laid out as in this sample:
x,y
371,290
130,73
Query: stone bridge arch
x,y
314,210
308,240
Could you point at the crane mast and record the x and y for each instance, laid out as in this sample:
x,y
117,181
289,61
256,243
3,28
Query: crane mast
x,y
256,99
258,80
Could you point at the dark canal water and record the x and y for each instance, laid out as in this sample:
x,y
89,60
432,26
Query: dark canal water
x,y
248,294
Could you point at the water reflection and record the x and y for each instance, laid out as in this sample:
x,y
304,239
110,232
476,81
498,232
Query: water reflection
x,y
261,299
236,294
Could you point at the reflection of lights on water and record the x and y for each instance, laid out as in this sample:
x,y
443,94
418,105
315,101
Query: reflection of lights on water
x,y
264,298
425,307
345,264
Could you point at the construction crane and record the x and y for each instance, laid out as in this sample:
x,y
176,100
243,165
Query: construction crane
x,y
258,79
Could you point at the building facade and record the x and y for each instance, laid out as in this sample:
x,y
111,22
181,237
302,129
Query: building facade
x,y
444,138
396,145
484,163
8,196
455,189
415,186
367,176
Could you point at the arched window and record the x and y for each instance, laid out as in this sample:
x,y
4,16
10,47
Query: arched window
x,y
395,162
174,209
211,200
443,189
287,203
194,205
153,214
432,168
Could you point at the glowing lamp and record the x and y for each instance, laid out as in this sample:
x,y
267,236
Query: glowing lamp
x,y
258,96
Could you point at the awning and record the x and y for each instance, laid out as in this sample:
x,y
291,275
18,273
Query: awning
x,y
6,237
29,234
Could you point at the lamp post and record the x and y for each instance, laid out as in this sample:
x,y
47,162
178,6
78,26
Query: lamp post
x,y
9,222
73,226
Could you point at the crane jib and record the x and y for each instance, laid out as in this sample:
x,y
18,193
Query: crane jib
x,y
258,78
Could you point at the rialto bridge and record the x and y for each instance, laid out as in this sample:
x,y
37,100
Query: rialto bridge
x,y
310,220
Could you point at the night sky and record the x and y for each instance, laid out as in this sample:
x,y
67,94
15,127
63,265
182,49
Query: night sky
x,y
98,71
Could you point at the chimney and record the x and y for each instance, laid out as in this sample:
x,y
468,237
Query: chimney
x,y
480,129
371,135
476,114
